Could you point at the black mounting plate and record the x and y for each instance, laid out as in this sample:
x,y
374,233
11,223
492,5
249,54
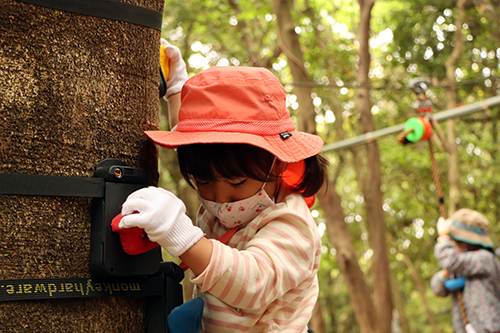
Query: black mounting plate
x,y
107,257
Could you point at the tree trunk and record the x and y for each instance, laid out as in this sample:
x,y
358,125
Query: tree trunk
x,y
290,45
330,202
451,102
373,194
421,290
399,306
75,90
334,101
340,237
317,324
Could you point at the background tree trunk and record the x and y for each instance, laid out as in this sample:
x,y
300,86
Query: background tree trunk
x,y
290,45
341,238
75,90
338,232
399,306
421,290
373,194
317,324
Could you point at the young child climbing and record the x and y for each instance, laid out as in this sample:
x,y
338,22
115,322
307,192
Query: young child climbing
x,y
254,250
465,253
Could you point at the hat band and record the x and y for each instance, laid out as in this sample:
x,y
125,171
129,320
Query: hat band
x,y
473,242
240,126
470,228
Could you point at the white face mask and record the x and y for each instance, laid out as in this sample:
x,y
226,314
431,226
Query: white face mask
x,y
236,213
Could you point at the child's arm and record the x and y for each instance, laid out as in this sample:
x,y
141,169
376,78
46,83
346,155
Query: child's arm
x,y
163,217
437,283
198,256
282,256
174,104
177,76
466,264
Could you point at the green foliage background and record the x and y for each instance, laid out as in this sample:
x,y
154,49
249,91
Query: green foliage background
x,y
214,32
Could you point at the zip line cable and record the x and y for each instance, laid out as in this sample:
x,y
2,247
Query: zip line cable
x,y
370,87
441,116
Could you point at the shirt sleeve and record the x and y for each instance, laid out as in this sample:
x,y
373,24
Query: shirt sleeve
x,y
279,258
466,264
437,285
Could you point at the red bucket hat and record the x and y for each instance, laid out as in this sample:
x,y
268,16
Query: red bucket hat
x,y
238,105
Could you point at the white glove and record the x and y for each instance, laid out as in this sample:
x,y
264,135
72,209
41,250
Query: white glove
x,y
177,74
443,226
163,217
469,328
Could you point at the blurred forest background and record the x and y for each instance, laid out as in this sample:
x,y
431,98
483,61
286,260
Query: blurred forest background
x,y
346,66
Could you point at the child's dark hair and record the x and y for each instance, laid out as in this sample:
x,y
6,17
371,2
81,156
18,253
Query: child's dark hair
x,y
209,161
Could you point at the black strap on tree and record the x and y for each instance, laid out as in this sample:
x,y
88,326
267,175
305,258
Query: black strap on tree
x,y
59,288
164,282
162,290
50,185
108,9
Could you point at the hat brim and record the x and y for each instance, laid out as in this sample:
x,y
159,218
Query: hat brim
x,y
298,146
470,237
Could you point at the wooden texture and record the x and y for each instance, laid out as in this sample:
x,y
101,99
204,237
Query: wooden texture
x,y
74,90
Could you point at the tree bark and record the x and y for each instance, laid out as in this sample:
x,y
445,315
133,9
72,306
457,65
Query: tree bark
x,y
338,232
334,101
75,90
330,202
340,237
290,45
399,306
421,290
373,194
317,324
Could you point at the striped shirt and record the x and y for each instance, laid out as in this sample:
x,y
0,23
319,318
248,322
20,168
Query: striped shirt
x,y
264,279
481,295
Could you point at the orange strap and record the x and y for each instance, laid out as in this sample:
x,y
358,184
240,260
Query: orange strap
x,y
223,239
292,177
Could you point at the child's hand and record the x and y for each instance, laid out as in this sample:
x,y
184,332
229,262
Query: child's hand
x,y
177,73
443,226
163,217
443,275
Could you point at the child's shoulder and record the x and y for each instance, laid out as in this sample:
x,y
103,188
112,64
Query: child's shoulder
x,y
292,206
292,200
483,258
488,256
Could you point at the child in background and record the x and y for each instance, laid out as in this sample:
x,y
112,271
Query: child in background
x,y
465,250
255,250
